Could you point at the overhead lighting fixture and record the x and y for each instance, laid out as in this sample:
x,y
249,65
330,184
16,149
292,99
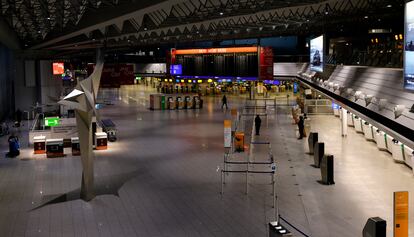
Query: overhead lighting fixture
x,y
366,17
221,13
145,28
48,18
389,6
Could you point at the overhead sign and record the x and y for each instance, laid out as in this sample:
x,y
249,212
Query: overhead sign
x,y
409,46
227,133
316,54
176,69
266,63
58,68
401,214
215,50
51,121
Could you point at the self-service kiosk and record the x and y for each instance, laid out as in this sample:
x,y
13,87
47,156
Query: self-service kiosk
x,y
54,148
398,151
188,102
350,119
368,131
390,142
180,102
408,156
75,146
171,103
101,141
358,124
197,102
39,144
381,139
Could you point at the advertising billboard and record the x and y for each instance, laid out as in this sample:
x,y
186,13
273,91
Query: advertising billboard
x,y
58,68
409,46
316,54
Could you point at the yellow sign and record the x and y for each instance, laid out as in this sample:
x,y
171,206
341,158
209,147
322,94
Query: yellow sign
x,y
401,214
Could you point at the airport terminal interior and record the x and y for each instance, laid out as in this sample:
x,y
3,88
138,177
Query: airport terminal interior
x,y
207,118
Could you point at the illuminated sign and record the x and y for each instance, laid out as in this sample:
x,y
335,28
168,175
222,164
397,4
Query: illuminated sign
x,y
316,54
51,121
409,46
176,69
58,68
401,214
216,50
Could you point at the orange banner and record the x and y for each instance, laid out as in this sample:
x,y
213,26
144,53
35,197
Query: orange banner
x,y
401,214
252,49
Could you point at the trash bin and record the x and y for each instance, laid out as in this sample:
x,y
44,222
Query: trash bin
x,y
327,169
319,152
312,140
375,227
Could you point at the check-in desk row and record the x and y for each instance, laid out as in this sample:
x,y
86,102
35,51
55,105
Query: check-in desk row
x,y
400,152
54,148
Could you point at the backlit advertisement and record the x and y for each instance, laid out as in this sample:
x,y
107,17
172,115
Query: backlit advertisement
x,y
409,46
316,54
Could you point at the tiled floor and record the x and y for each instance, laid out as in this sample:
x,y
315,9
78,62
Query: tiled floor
x,y
171,159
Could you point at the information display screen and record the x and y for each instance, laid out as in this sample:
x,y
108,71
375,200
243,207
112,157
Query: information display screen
x,y
409,46
176,69
316,54
58,68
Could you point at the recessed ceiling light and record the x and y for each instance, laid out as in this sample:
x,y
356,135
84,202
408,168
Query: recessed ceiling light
x,y
366,17
389,5
221,13
145,28
48,18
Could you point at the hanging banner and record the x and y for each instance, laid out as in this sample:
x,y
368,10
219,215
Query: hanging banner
x,y
401,214
227,133
266,63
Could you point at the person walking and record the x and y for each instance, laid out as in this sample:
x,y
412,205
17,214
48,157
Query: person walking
x,y
224,102
257,123
301,126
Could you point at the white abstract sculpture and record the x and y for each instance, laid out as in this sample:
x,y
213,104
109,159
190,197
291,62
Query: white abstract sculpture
x,y
83,99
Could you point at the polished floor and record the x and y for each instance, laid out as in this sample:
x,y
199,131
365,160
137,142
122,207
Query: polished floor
x,y
167,167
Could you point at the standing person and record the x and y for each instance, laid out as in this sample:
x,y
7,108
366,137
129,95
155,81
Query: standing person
x,y
301,126
257,123
224,100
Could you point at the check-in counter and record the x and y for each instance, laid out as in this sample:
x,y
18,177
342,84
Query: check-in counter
x,y
408,156
54,148
398,151
390,143
39,145
381,140
75,146
101,141
368,131
358,124
350,119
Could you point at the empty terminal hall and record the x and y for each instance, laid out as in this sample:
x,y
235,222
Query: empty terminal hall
x,y
206,118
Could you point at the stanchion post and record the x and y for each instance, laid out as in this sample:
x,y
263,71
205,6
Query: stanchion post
x,y
247,180
274,188
222,184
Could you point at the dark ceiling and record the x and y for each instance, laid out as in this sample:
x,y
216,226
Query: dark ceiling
x,y
87,24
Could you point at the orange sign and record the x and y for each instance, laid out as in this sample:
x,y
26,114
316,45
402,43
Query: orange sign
x,y
227,133
401,214
58,68
252,49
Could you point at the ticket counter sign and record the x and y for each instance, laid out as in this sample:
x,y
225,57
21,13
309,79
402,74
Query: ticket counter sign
x,y
227,133
401,214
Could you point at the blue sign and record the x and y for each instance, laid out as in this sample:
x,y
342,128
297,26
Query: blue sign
x,y
335,106
409,47
176,69
295,87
